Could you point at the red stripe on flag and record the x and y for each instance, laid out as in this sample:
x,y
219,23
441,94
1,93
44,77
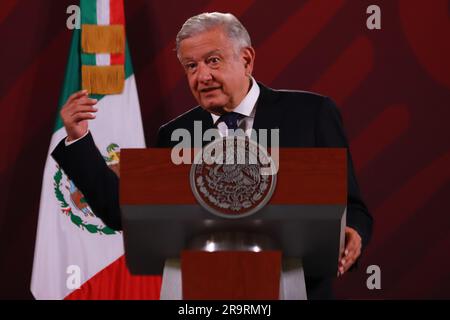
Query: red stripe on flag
x,y
116,283
117,16
117,13
117,58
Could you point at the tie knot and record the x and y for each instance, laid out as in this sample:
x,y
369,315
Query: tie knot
x,y
230,119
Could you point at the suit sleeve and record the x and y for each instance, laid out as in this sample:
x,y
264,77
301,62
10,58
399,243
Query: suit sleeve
x,y
163,138
330,133
85,166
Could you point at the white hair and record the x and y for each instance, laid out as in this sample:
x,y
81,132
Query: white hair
x,y
208,21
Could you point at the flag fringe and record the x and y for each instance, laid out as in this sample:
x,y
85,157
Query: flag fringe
x,y
103,39
103,79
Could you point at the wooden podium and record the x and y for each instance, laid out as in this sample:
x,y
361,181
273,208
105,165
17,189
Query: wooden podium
x,y
304,219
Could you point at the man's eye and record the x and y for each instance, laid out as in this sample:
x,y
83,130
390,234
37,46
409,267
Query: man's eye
x,y
190,66
214,60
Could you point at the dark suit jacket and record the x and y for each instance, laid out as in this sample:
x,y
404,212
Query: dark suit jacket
x,y
304,119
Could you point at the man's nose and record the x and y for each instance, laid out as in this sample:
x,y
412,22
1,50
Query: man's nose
x,y
204,73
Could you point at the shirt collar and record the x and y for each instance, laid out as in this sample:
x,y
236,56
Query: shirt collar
x,y
247,105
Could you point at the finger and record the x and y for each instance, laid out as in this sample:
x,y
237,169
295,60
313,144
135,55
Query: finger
x,y
351,259
86,101
350,246
353,252
351,249
347,267
77,95
347,263
342,264
83,116
74,106
83,108
344,253
353,241
341,270
350,255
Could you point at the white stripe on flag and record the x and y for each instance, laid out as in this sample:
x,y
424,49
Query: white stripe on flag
x,y
103,13
103,59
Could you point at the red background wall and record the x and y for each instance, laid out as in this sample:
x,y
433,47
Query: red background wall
x,y
392,86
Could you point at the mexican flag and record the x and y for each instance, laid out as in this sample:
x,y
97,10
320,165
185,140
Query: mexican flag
x,y
76,255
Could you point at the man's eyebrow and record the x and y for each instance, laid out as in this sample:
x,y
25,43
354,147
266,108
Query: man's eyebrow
x,y
211,53
189,59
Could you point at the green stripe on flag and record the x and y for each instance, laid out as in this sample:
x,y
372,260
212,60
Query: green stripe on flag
x,y
88,11
88,59
128,64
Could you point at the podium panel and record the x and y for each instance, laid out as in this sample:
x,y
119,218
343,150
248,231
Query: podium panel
x,y
305,217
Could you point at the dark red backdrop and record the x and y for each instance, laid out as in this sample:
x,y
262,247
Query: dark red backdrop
x,y
392,86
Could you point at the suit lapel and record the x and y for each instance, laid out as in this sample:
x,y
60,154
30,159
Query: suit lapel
x,y
268,115
207,122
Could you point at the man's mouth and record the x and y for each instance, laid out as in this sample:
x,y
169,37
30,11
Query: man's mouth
x,y
206,90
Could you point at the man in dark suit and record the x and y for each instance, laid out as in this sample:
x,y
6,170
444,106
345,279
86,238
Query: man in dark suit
x,y
216,54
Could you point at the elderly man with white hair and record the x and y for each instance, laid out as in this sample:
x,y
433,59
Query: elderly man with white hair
x,y
217,56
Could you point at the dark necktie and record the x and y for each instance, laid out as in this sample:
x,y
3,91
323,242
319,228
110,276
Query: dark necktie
x,y
231,120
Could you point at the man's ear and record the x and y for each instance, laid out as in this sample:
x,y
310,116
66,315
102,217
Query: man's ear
x,y
248,55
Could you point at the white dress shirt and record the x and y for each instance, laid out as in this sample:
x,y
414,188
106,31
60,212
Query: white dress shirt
x,y
247,108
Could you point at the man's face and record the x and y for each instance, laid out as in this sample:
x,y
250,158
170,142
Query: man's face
x,y
218,75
